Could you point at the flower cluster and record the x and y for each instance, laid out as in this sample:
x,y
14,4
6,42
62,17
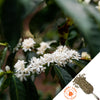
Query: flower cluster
x,y
20,70
44,46
27,44
61,56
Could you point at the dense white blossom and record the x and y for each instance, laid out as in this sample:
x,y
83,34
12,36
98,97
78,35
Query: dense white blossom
x,y
47,59
61,56
36,65
20,70
20,65
44,46
27,44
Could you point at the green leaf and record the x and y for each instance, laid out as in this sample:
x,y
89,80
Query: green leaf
x,y
5,84
47,71
17,89
94,13
70,71
1,72
63,75
86,19
2,56
11,21
30,90
2,80
52,72
79,63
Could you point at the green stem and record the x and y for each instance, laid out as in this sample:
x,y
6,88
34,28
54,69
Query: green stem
x,y
3,44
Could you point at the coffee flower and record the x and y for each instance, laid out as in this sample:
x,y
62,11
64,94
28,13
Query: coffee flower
x,y
28,44
20,70
20,65
44,46
36,65
63,55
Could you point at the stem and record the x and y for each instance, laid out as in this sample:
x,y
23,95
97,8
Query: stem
x,y
26,30
3,44
96,96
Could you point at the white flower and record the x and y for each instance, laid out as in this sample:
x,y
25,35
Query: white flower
x,y
20,65
87,1
63,55
7,68
61,49
36,65
98,7
60,58
21,76
47,59
44,46
27,44
20,70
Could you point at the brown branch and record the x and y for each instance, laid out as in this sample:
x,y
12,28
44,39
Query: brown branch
x,y
26,30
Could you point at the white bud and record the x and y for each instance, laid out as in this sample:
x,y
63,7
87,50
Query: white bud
x,y
7,68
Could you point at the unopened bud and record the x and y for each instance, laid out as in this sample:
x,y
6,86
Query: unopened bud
x,y
7,68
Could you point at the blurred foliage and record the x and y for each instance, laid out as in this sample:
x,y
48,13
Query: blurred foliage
x,y
11,21
13,14
85,18
48,14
